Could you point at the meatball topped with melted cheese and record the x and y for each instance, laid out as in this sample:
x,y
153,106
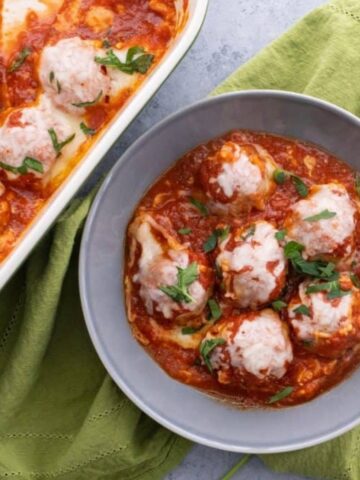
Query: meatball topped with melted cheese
x,y
70,75
324,222
328,321
252,347
253,265
175,283
238,177
25,134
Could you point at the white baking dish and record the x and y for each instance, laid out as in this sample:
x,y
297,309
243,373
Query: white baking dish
x,y
59,200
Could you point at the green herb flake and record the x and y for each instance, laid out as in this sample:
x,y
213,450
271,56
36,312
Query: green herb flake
x,y
355,280
211,242
206,347
28,163
300,186
302,310
279,176
58,86
137,60
20,59
184,231
333,288
200,206
185,277
87,130
278,305
58,146
280,235
190,330
324,215
106,43
215,310
293,249
285,392
51,77
90,103
249,233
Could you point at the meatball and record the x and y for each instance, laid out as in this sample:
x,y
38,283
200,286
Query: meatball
x,y
253,265
175,283
324,222
323,322
238,177
70,75
252,347
25,133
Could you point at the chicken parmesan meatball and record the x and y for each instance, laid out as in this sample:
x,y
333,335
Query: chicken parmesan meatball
x,y
71,77
238,177
252,265
250,348
174,283
326,322
25,135
324,222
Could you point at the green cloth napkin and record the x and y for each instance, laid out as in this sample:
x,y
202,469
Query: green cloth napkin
x,y
60,414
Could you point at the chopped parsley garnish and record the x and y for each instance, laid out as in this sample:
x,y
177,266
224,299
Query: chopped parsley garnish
x,y
357,183
58,146
58,86
211,242
184,231
279,176
285,392
280,235
185,277
300,186
355,280
200,206
20,59
215,310
249,233
51,76
190,330
324,215
206,347
106,43
315,268
278,305
136,60
333,288
90,103
29,163
302,310
87,130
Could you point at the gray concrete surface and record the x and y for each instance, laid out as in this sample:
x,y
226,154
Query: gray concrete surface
x,y
233,32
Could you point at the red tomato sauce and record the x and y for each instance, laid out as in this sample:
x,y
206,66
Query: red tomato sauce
x,y
309,374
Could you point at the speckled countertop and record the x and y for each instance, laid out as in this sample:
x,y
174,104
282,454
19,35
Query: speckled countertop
x,y
233,32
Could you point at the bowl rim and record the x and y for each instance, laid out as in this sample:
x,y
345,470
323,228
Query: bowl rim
x,y
106,361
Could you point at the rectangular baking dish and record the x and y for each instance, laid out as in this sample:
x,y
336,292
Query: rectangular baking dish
x,y
58,201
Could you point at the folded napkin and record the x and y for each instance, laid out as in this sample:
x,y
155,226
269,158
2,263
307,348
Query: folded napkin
x,y
60,414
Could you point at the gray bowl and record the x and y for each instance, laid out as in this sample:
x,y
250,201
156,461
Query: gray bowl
x,y
178,407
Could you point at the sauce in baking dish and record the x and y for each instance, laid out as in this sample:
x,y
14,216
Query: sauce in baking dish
x,y
67,67
242,266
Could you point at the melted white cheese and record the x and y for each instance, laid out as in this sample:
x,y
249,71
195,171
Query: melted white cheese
x,y
26,134
323,236
260,346
240,175
327,316
248,264
156,269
